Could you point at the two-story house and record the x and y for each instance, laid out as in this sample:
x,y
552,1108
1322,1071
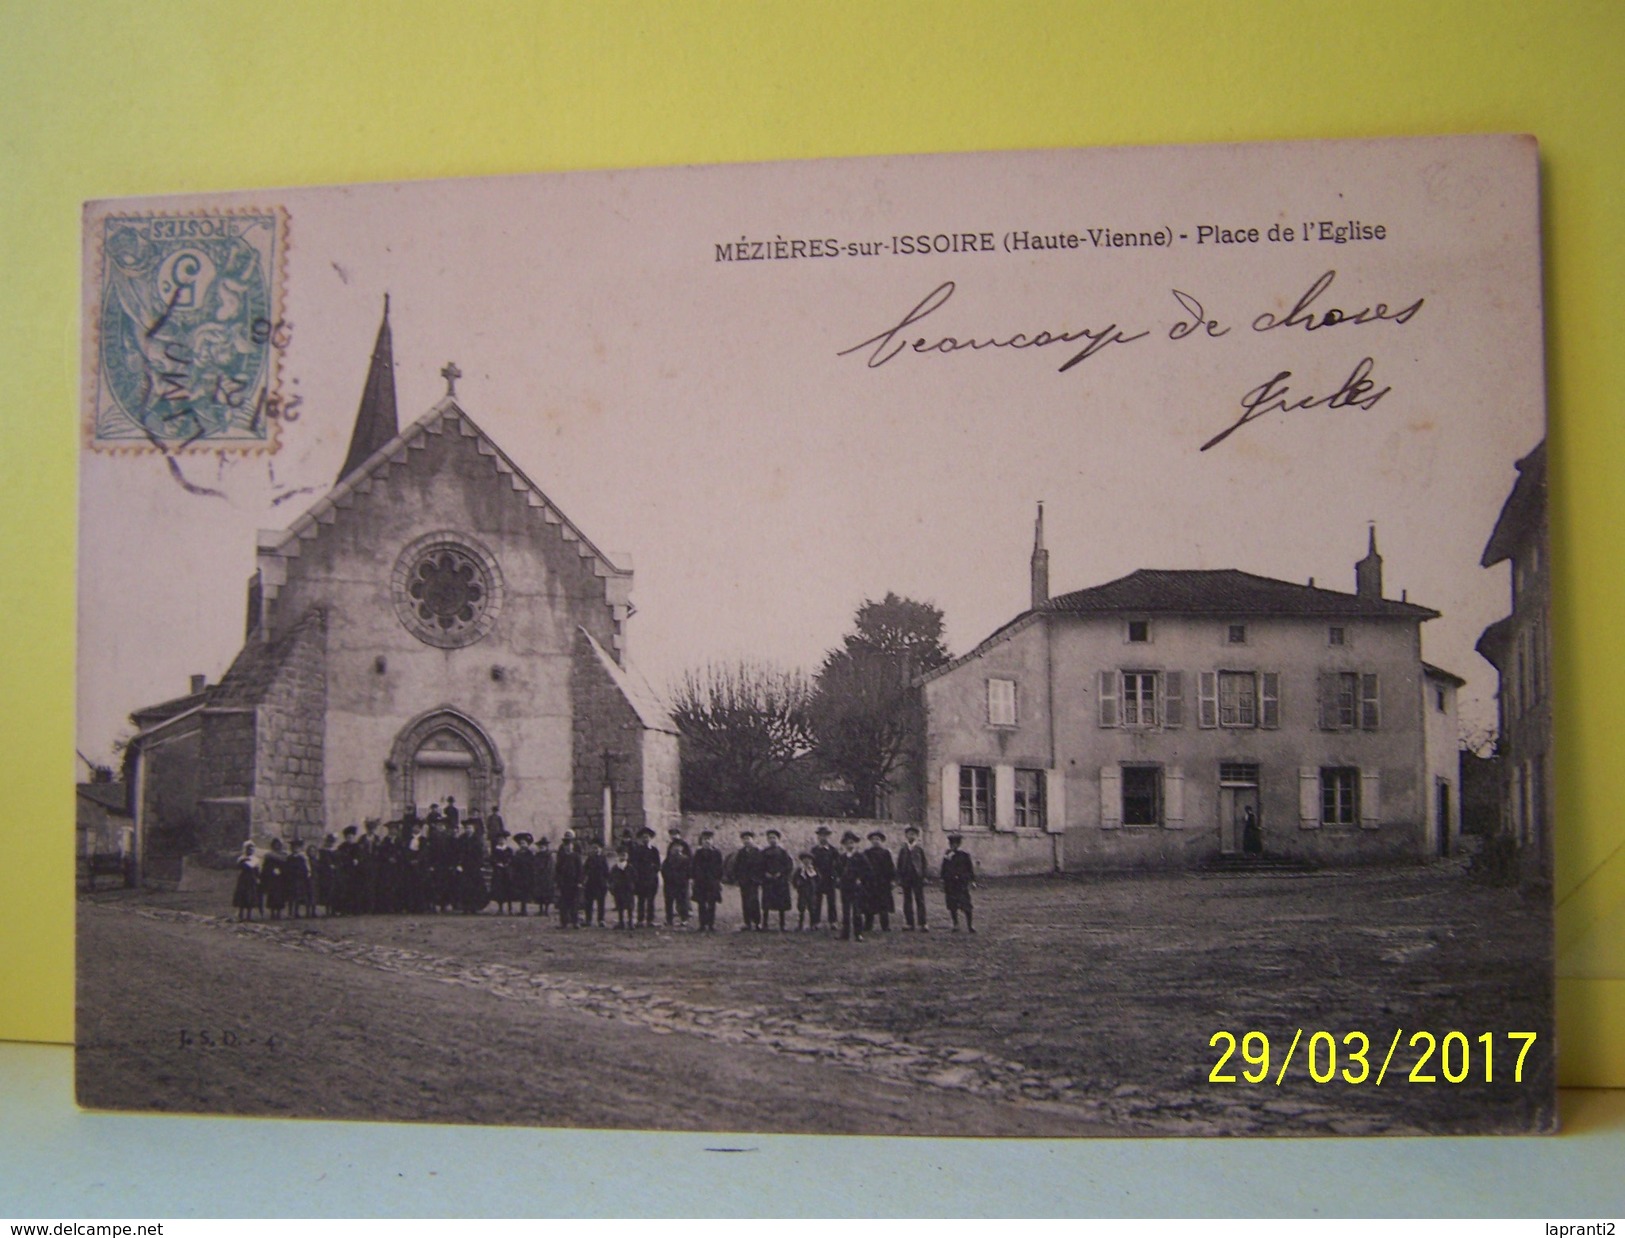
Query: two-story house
x,y
1169,717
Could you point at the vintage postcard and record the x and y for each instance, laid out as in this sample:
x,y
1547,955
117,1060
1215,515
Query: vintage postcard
x,y
1048,643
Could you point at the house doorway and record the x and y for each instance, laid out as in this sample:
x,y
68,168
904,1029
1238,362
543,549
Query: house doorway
x,y
1442,816
1238,803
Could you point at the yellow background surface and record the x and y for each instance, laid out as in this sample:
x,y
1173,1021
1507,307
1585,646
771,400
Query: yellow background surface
x,y
113,99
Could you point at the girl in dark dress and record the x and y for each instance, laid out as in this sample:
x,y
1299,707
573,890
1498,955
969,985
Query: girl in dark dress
x,y
327,873
246,896
274,879
301,890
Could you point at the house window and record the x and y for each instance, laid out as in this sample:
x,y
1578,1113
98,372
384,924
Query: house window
x,y
1339,796
1139,698
1349,700
1238,699
1439,699
1237,634
1030,799
1139,631
1335,636
1142,795
1001,702
975,795
1238,773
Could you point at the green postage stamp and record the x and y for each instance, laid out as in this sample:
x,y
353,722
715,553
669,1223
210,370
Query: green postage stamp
x,y
188,330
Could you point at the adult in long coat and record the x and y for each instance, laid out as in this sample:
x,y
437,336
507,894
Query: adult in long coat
x,y
645,863
826,858
882,874
567,880
472,893
852,876
274,879
747,874
777,868
706,875
546,891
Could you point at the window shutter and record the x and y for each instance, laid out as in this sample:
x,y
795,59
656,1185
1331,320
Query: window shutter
x,y
1055,801
1111,797
1370,799
1370,704
1004,797
1326,699
1309,797
950,796
1269,713
1108,698
1207,700
1173,798
1173,698
1001,702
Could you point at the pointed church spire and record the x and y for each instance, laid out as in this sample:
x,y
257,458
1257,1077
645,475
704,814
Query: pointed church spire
x,y
1040,563
1368,571
375,422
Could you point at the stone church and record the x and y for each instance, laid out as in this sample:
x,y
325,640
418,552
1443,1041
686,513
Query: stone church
x,y
434,626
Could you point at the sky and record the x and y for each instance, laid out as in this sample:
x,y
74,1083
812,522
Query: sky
x,y
697,417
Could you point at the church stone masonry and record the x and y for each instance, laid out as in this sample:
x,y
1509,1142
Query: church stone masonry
x,y
433,626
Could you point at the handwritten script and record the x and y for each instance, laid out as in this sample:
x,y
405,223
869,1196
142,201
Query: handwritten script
x,y
1309,313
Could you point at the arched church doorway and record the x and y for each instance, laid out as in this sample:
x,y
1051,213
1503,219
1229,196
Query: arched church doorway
x,y
444,753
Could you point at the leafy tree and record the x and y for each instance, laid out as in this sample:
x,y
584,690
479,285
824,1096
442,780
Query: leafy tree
x,y
744,726
863,711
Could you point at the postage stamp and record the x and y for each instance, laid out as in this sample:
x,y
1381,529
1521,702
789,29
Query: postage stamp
x,y
188,331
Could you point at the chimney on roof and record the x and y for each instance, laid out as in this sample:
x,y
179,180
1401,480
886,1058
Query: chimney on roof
x,y
199,682
375,422
1040,562
1368,571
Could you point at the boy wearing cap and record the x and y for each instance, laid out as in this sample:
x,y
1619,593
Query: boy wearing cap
x,y
958,876
620,886
707,878
853,878
777,869
827,861
807,896
911,865
747,865
882,873
675,873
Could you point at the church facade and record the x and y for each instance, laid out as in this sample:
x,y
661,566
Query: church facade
x,y
433,628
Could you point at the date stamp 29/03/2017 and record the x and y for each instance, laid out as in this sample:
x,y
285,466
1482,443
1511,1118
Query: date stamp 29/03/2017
x,y
188,331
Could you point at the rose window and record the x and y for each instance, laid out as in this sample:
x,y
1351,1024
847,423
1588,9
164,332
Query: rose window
x,y
446,591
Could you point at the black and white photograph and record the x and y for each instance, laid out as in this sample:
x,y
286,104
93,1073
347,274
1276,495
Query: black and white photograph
x,y
1026,644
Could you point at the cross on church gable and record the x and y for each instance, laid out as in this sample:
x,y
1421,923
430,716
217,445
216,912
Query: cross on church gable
x,y
451,374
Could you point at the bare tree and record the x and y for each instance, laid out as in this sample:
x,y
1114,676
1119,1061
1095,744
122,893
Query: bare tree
x,y
743,727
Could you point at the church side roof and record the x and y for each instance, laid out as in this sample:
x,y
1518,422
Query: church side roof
x,y
643,699
1438,672
1523,511
254,670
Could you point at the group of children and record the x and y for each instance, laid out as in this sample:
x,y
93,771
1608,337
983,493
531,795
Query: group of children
x,y
445,863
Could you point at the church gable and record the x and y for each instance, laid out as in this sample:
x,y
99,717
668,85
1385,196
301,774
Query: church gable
x,y
444,474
